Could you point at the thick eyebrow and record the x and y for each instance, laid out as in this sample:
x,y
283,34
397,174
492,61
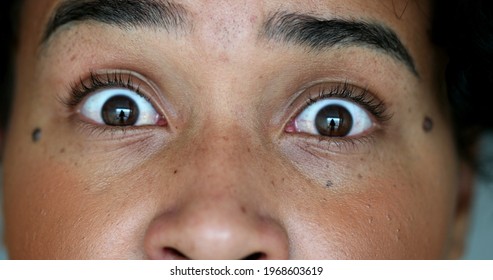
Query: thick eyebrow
x,y
122,13
319,34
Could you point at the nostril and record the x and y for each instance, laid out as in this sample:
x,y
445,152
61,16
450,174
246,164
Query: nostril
x,y
198,230
256,256
173,254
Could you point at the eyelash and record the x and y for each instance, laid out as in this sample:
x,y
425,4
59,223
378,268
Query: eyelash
x,y
96,82
359,96
377,108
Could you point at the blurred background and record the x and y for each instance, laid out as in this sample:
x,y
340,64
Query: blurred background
x,y
480,244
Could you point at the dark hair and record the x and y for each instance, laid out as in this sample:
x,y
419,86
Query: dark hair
x,y
6,59
463,28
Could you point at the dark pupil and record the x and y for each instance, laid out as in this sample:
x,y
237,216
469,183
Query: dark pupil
x,y
120,111
334,121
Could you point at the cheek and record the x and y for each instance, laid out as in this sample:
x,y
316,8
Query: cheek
x,y
52,214
37,200
397,216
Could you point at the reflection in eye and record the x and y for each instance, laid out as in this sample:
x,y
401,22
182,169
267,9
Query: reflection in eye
x,y
119,107
333,117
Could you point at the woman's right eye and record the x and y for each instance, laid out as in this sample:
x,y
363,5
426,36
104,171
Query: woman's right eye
x,y
119,107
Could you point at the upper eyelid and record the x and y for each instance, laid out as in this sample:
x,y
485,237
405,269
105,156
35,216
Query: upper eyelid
x,y
344,90
106,79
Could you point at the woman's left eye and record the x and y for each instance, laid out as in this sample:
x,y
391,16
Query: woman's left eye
x,y
333,117
119,107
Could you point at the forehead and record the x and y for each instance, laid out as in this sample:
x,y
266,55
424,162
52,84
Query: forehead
x,y
224,29
226,21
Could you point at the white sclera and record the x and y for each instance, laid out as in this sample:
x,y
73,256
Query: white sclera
x,y
92,107
362,121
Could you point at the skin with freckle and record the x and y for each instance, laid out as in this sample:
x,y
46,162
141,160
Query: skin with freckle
x,y
427,124
225,173
36,135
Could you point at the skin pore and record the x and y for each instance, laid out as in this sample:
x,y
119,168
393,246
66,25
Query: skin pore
x,y
224,165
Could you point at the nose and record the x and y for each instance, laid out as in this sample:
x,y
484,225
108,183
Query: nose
x,y
219,230
220,205
220,210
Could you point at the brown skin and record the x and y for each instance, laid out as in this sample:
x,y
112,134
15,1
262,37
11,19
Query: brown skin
x,y
225,179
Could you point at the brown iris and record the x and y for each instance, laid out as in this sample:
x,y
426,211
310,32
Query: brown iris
x,y
120,111
334,121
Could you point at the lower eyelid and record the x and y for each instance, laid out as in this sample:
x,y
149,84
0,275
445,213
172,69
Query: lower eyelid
x,y
93,132
322,147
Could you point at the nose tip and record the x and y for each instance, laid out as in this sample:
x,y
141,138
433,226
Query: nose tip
x,y
215,233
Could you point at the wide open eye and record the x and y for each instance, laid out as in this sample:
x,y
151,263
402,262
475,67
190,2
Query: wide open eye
x,y
119,107
333,117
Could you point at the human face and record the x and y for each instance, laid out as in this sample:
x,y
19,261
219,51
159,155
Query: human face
x,y
225,159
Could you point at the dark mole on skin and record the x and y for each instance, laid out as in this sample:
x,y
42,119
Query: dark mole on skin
x,y
427,124
329,184
36,135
